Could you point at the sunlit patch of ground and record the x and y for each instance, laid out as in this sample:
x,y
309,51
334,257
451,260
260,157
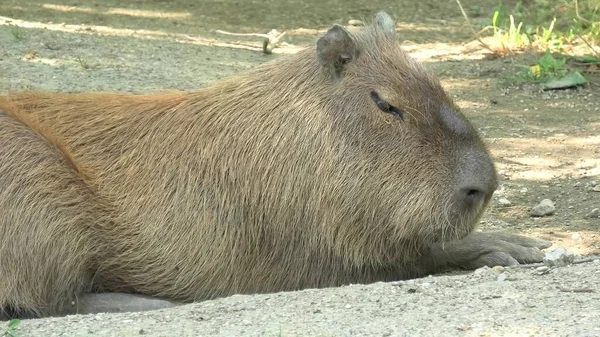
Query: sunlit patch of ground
x,y
120,11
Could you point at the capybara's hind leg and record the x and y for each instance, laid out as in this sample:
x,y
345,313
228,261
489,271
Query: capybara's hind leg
x,y
48,215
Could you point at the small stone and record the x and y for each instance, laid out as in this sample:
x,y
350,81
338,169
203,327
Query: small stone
x,y
498,269
542,269
545,207
504,202
482,270
559,257
596,188
595,213
593,183
575,236
524,190
353,22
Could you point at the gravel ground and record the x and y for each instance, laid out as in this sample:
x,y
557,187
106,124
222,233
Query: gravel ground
x,y
39,52
512,302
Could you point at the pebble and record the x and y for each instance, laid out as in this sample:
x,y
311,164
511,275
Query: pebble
x,y
542,269
504,202
559,257
596,188
482,270
595,213
545,207
575,236
498,269
524,190
354,22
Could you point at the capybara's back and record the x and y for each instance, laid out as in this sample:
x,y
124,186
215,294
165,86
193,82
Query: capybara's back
x,y
339,164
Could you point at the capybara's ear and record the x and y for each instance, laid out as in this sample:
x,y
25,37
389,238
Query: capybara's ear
x,y
386,24
335,49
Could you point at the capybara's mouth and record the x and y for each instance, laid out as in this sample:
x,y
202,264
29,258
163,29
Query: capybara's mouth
x,y
451,232
459,223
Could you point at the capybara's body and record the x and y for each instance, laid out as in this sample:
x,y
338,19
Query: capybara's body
x,y
291,176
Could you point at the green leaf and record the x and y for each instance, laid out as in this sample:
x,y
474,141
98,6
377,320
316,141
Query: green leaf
x,y
546,62
572,79
495,21
13,323
586,59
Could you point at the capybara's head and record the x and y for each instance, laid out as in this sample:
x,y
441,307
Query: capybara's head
x,y
415,166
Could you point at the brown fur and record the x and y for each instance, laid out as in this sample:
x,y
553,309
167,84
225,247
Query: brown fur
x,y
283,178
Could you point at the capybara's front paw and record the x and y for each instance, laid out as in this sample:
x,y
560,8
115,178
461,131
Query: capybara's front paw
x,y
490,249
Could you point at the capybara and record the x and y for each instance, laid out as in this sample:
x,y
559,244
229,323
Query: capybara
x,y
344,163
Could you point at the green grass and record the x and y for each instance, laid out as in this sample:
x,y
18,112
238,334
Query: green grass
x,y
11,328
558,31
549,68
546,24
17,32
594,33
82,62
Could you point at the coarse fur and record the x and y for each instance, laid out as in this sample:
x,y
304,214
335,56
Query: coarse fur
x,y
286,177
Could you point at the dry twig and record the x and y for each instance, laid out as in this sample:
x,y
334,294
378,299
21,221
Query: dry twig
x,y
588,44
475,34
270,41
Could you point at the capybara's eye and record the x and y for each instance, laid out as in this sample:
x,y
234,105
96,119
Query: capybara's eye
x,y
385,106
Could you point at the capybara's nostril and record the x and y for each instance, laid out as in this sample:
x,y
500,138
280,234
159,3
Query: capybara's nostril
x,y
472,196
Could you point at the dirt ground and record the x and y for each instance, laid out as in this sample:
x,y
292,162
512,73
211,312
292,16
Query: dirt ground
x,y
545,144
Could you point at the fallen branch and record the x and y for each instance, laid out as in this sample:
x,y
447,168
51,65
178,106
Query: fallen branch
x,y
270,41
588,44
579,16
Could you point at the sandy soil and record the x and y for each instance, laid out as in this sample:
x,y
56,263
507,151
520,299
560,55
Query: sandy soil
x,y
484,303
545,144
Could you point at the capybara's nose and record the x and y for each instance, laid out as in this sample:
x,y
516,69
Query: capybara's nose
x,y
471,196
477,179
